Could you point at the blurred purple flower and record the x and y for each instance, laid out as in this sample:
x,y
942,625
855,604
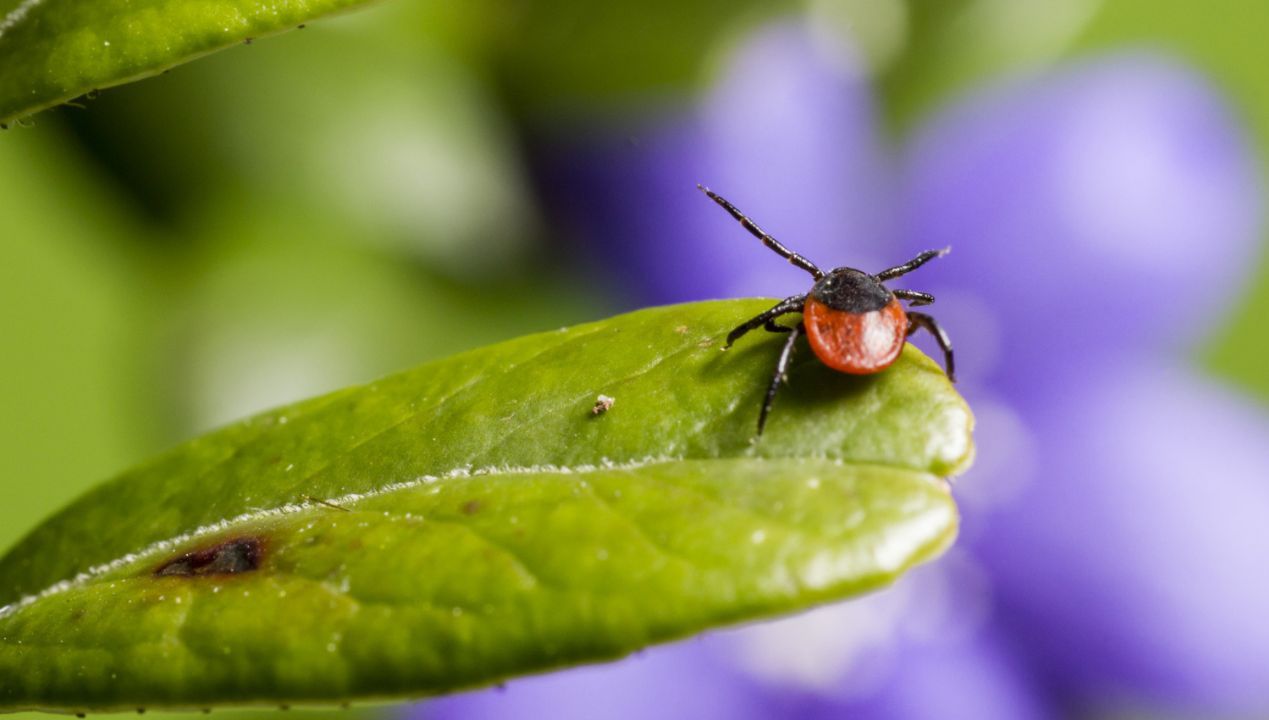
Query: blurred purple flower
x,y
789,137
1102,215
1132,564
675,682
1107,208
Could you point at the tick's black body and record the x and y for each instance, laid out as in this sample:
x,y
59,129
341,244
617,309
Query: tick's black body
x,y
856,324
851,290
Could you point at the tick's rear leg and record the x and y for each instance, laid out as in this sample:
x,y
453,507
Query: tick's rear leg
x,y
784,307
921,320
781,372
916,297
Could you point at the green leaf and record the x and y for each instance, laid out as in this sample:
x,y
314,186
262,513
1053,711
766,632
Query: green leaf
x,y
473,519
55,50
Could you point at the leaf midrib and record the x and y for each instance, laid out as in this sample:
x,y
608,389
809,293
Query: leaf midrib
x,y
167,545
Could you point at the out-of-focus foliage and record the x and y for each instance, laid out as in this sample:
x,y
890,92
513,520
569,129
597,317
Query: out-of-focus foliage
x,y
613,56
73,314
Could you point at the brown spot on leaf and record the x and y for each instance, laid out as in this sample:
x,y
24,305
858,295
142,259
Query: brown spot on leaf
x,y
229,557
471,507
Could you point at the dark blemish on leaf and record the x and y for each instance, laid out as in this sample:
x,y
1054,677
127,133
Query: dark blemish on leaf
x,y
471,507
227,558
284,707
80,715
603,404
300,27
140,711
248,41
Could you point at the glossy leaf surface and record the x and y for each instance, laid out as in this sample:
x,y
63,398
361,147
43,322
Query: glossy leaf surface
x,y
474,519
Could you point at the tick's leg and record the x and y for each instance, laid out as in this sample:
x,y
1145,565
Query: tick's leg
x,y
752,227
921,320
784,307
781,371
917,298
913,264
775,327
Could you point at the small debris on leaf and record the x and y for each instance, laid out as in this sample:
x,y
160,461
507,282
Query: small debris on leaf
x,y
603,404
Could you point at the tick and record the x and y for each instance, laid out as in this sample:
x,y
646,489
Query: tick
x,y
852,321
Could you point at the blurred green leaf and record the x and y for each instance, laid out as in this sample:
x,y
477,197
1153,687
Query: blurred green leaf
x,y
285,300
568,55
73,308
473,519
399,139
52,52
955,44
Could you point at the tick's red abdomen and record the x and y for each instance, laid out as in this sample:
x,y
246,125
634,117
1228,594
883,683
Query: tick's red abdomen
x,y
856,343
